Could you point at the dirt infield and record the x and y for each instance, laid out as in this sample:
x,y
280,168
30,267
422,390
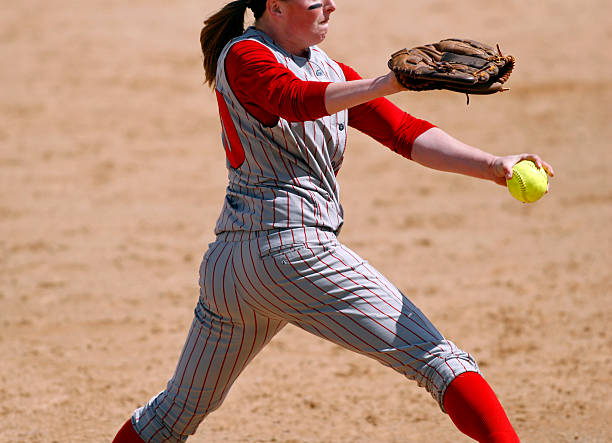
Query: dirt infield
x,y
112,176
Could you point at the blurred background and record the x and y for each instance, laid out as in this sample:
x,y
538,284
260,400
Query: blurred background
x,y
112,176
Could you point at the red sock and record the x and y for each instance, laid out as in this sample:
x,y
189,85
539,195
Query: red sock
x,y
473,407
127,434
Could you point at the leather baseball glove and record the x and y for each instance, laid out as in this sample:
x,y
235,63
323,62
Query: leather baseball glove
x,y
457,65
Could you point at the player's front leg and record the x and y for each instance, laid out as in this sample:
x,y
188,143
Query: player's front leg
x,y
327,289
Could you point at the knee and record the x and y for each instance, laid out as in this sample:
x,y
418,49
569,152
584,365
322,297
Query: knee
x,y
437,365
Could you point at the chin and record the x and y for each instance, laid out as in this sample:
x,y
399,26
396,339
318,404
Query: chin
x,y
320,38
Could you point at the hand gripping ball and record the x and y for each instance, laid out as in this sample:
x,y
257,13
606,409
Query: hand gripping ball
x,y
528,183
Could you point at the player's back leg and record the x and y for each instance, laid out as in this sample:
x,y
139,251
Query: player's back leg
x,y
225,335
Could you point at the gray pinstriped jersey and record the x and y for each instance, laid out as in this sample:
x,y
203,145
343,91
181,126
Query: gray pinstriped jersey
x,y
288,176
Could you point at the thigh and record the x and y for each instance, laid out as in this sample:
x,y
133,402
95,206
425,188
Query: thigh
x,y
327,289
327,286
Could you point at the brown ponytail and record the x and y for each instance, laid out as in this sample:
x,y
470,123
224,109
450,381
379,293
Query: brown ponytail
x,y
220,28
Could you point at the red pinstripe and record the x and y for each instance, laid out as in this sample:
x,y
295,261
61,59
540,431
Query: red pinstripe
x,y
279,237
278,328
314,74
267,330
330,66
255,304
453,352
337,134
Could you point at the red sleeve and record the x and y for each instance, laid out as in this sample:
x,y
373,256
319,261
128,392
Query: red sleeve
x,y
269,90
385,122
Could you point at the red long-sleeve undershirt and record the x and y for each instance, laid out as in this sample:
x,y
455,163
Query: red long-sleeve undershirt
x,y
268,90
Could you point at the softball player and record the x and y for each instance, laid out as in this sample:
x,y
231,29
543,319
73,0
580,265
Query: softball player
x,y
284,107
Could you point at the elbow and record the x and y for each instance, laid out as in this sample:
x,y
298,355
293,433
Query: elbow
x,y
408,140
301,101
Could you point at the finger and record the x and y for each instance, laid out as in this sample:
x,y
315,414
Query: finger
x,y
549,169
507,168
534,158
540,163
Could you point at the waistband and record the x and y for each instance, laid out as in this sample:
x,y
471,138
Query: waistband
x,y
284,236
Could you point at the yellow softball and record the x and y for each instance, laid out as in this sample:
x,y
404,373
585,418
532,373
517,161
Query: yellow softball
x,y
528,183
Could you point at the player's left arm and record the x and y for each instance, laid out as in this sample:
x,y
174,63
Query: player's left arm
x,y
384,121
436,149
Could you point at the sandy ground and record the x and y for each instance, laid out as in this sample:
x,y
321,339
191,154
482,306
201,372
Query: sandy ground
x,y
112,176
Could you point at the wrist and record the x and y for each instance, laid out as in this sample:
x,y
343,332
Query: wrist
x,y
392,85
491,168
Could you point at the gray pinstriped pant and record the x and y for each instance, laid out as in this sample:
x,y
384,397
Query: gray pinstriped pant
x,y
253,284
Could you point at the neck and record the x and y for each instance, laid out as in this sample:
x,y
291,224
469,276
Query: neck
x,y
280,37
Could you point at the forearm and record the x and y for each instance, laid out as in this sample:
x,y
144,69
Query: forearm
x,y
437,150
339,96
